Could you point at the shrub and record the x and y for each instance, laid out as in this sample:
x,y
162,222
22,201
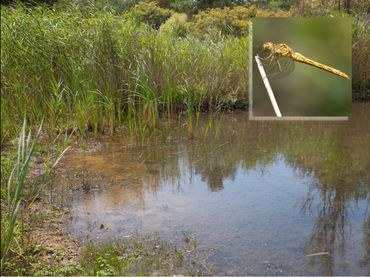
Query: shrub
x,y
228,21
185,6
224,21
150,13
175,25
310,8
272,13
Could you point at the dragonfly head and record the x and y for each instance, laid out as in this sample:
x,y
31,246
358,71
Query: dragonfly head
x,y
268,46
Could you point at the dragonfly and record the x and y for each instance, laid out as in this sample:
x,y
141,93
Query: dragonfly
x,y
284,55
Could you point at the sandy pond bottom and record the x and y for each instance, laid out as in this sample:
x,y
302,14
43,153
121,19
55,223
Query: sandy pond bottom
x,y
259,196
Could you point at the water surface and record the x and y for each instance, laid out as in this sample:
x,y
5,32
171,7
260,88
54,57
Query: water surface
x,y
259,195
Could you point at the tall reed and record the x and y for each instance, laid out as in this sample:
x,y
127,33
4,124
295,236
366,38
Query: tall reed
x,y
93,71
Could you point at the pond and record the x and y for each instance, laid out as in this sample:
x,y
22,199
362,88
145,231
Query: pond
x,y
265,198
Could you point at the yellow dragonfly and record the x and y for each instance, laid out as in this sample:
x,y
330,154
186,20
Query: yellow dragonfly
x,y
281,50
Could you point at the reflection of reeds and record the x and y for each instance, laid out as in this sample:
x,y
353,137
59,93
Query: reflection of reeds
x,y
222,143
333,155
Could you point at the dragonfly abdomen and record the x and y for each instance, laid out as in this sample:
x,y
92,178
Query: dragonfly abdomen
x,y
302,59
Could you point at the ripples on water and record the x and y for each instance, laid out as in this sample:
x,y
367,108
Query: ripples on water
x,y
259,195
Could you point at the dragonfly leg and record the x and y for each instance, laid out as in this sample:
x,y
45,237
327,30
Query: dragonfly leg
x,y
279,66
266,58
272,74
271,57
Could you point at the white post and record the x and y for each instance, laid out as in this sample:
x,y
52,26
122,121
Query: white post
x,y
268,87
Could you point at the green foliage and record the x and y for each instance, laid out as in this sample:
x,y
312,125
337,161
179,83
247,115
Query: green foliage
x,y
272,13
16,173
274,4
185,6
206,4
228,21
15,187
142,256
150,13
175,25
224,21
311,8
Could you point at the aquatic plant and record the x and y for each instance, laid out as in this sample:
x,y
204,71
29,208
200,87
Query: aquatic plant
x,y
15,184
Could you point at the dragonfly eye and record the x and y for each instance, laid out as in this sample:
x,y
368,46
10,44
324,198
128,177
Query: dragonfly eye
x,y
267,46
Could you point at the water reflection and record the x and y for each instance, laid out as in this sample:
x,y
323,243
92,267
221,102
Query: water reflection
x,y
261,194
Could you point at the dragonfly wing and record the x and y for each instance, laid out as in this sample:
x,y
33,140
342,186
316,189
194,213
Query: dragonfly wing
x,y
277,68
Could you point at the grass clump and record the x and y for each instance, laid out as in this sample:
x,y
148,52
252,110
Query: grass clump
x,y
143,255
136,255
14,196
15,185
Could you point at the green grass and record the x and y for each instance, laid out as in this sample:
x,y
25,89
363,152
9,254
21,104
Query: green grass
x,y
143,255
15,185
97,71
14,180
135,255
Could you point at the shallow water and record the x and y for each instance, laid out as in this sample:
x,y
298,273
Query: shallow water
x,y
260,196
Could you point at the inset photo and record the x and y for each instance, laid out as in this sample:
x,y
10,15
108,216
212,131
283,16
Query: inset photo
x,y
301,69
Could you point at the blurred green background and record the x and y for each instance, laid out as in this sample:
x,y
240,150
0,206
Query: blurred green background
x,y
307,91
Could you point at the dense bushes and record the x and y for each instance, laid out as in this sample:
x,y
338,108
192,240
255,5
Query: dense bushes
x,y
224,21
150,13
228,21
209,23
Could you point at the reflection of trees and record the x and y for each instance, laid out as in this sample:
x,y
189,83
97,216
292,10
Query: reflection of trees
x,y
335,154
366,259
332,223
329,227
339,160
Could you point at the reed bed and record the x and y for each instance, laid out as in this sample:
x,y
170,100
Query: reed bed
x,y
98,70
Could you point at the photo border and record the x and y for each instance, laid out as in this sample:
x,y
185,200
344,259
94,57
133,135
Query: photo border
x,y
251,117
